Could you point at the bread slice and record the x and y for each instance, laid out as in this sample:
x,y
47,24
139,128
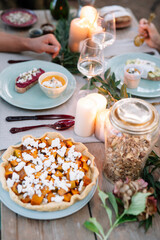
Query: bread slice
x,y
27,79
122,17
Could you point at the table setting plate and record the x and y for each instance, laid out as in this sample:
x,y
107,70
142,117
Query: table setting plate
x,y
28,23
39,215
146,88
34,98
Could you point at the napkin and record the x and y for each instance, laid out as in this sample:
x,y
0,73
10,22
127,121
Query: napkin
x,y
126,46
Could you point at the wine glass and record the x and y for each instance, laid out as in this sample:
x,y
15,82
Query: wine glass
x,y
104,32
90,62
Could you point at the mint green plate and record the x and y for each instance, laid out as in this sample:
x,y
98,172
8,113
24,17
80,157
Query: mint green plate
x,y
146,88
34,98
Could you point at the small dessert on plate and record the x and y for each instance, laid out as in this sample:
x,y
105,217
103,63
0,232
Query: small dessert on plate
x,y
27,79
132,75
49,173
149,69
53,83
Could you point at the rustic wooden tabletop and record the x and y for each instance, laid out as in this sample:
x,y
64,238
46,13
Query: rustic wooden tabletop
x,y
15,227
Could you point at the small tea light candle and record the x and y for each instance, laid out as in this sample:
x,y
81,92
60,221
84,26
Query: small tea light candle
x,y
99,99
99,124
78,32
89,13
85,117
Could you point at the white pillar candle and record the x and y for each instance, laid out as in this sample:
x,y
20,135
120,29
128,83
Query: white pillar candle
x,y
78,32
99,124
99,99
85,117
89,13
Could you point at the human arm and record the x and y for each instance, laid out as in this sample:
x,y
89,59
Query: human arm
x,y
150,32
12,43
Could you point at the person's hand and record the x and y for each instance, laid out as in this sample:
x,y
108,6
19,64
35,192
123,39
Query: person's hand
x,y
47,43
150,32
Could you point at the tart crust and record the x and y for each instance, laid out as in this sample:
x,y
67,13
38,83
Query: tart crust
x,y
52,206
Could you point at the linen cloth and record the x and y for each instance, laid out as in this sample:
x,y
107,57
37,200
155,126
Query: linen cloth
x,y
7,139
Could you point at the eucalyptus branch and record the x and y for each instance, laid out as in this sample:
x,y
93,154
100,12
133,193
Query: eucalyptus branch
x,y
136,207
108,87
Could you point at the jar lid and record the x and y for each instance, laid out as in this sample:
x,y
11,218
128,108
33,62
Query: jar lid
x,y
134,116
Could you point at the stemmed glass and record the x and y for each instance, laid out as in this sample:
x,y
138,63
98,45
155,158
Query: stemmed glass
x,y
90,61
105,30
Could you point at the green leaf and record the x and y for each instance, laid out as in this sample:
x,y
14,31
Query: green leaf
x,y
103,196
91,227
147,223
127,218
112,200
138,204
107,73
94,226
109,212
84,87
123,91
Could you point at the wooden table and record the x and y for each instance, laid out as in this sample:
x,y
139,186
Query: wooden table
x,y
15,227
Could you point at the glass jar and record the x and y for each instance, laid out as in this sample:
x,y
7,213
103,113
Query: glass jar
x,y
131,131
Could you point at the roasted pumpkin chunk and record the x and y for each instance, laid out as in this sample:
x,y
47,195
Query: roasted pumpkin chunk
x,y
74,191
67,197
26,199
36,200
86,180
50,195
61,191
18,153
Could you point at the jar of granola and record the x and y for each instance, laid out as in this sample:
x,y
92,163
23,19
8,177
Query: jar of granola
x,y
131,131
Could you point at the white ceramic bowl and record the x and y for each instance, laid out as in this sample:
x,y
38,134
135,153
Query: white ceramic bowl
x,y
52,92
131,79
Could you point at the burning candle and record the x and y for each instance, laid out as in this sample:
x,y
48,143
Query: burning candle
x,y
99,124
85,117
78,32
89,13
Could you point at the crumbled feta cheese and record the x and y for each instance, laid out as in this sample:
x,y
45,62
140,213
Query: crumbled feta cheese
x,y
89,162
11,158
57,198
19,188
31,142
42,145
80,186
56,143
47,163
29,170
62,151
27,157
10,182
19,166
76,175
15,177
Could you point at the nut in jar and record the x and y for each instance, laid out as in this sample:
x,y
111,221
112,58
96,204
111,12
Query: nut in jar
x,y
131,131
